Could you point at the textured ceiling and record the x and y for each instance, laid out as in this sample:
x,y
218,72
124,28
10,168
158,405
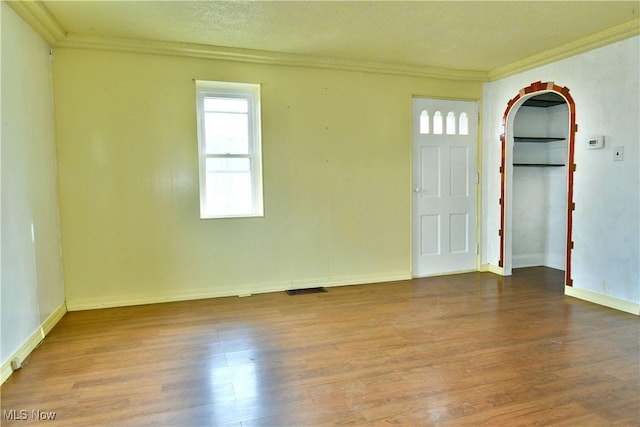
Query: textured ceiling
x,y
458,35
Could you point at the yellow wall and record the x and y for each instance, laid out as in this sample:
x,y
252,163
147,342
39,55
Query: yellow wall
x,y
337,159
31,285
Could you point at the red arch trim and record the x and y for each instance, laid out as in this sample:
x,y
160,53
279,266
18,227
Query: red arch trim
x,y
573,128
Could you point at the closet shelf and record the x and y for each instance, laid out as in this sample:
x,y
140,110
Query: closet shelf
x,y
536,139
542,165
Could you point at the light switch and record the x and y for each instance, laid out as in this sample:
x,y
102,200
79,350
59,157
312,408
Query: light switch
x,y
618,154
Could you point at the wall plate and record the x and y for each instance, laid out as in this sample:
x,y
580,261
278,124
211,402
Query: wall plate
x,y
618,154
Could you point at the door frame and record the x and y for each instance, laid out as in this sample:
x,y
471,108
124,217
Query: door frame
x,y
506,171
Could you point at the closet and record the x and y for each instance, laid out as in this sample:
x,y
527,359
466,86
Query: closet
x,y
540,157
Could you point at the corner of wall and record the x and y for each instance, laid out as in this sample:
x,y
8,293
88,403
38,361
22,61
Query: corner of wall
x,y
492,269
33,342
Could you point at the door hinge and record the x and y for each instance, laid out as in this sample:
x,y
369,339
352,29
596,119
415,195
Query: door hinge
x,y
477,178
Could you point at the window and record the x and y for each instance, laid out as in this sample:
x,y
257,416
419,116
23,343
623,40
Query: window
x,y
437,123
463,124
229,147
424,122
451,123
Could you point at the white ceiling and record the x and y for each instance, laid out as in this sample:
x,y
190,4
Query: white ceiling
x,y
458,35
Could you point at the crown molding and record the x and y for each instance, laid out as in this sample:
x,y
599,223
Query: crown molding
x,y
38,17
594,41
36,14
82,41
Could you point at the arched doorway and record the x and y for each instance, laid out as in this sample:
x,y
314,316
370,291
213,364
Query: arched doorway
x,y
507,139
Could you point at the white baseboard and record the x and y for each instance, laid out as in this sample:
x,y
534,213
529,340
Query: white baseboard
x,y
447,273
33,341
131,300
363,279
557,261
124,301
601,299
528,260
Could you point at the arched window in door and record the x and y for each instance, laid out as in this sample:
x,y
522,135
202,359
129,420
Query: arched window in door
x,y
451,123
437,123
424,122
463,124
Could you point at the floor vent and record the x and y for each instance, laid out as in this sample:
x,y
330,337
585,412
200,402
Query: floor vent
x,y
306,291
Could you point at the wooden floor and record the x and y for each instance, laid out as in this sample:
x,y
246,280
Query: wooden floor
x,y
471,349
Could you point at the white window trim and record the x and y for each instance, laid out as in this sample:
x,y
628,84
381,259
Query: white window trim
x,y
248,91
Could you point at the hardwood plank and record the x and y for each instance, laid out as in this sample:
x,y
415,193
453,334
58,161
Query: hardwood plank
x,y
470,349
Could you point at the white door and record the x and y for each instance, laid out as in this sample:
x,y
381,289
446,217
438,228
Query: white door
x,y
444,186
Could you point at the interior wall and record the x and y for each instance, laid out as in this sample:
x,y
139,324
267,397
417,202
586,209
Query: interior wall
x,y
530,210
337,169
32,287
605,85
